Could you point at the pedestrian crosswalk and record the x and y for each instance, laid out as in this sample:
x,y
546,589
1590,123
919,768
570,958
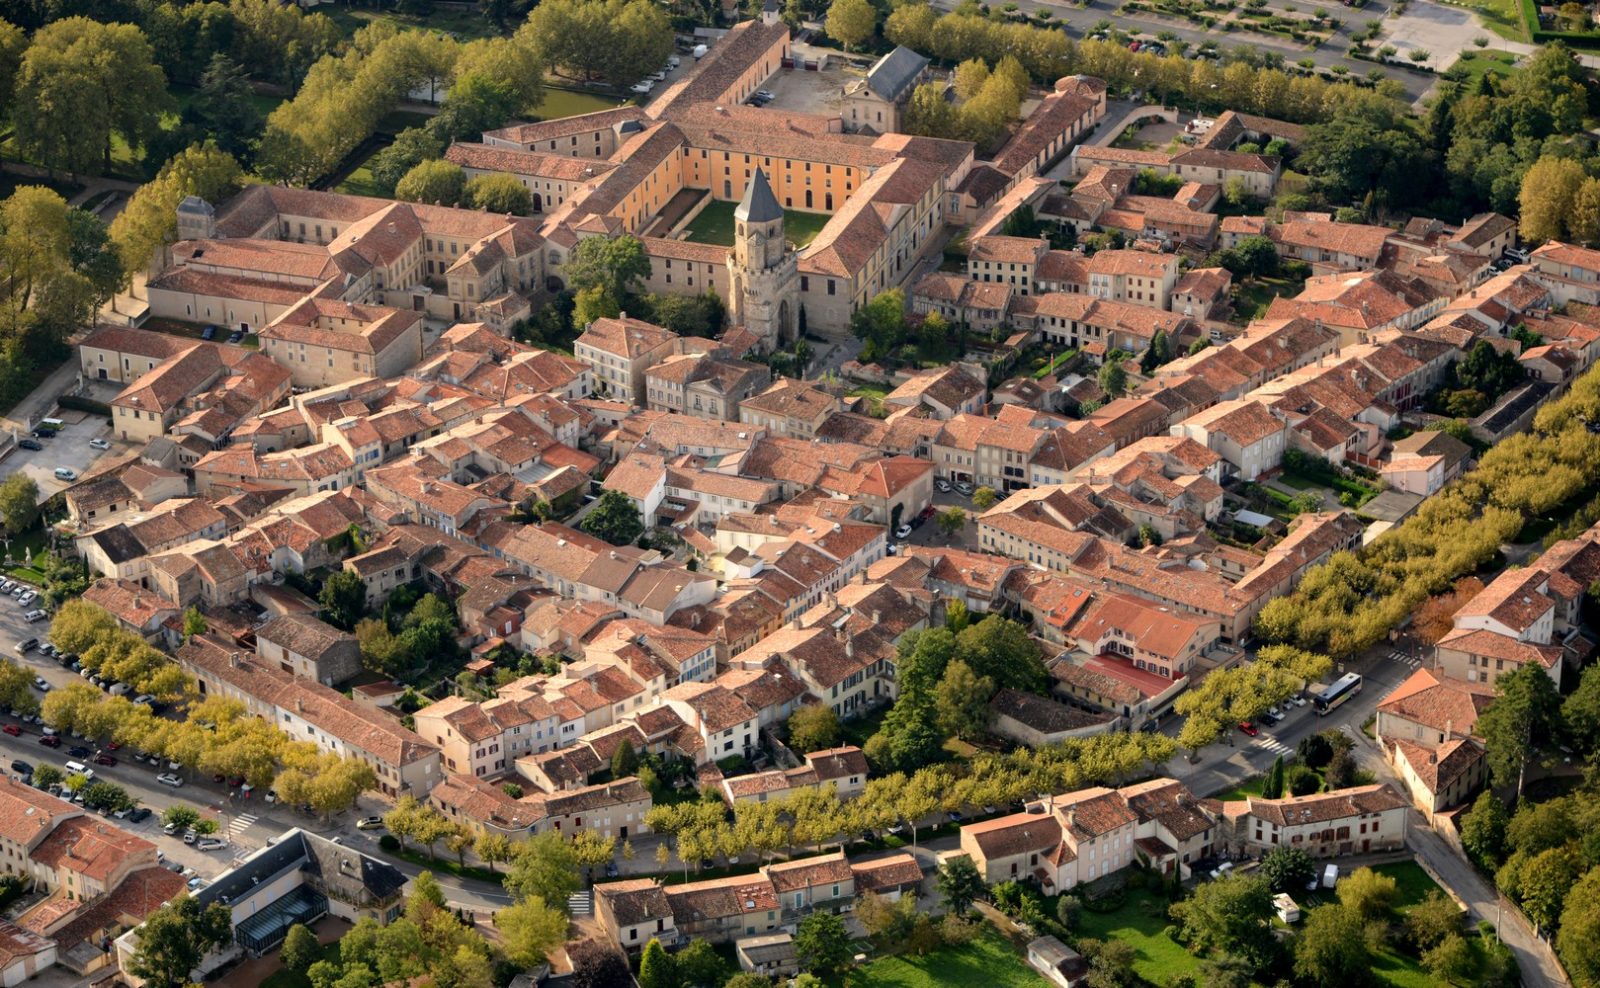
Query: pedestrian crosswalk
x,y
241,823
580,904
1272,744
1409,661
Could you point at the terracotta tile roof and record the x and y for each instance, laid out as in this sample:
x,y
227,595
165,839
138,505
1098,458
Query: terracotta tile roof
x,y
1438,767
886,874
1496,646
1341,804
91,847
1043,715
27,813
635,901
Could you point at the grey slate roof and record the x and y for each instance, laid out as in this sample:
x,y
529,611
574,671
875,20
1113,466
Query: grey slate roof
x,y
894,73
759,204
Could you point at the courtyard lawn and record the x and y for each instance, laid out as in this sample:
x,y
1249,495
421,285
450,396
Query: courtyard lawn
x,y
1249,787
360,182
560,103
988,960
1414,883
1141,922
714,225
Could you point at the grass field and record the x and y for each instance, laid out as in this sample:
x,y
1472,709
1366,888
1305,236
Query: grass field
x,y
1141,923
1503,17
558,103
1251,298
1473,65
463,25
988,960
714,225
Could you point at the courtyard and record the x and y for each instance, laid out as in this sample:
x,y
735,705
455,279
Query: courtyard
x,y
714,225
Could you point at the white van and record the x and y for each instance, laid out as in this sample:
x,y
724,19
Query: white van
x,y
79,768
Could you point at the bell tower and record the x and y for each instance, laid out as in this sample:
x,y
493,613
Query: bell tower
x,y
763,272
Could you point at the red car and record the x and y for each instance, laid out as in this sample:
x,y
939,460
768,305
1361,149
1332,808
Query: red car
x,y
112,746
1249,729
104,760
236,782
12,730
50,741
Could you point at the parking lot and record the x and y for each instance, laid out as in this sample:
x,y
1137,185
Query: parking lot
x,y
822,91
69,448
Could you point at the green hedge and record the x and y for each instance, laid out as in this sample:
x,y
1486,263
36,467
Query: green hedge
x,y
1530,18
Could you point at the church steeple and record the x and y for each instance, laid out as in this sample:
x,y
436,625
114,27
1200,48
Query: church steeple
x,y
759,204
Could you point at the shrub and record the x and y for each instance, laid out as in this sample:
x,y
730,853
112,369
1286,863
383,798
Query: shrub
x,y
388,842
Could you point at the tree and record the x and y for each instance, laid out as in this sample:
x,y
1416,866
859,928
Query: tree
x,y
1332,947
624,761
597,965
343,599
1526,709
1001,650
19,502
1368,894
821,944
1450,960
530,930
1273,787
1287,869
499,193
951,521
194,623
1068,908
985,498
1549,195
1113,379
656,969
960,884
850,22
492,848
176,937
889,922
149,221
1110,963
616,264
411,147
813,728
1580,712
80,83
1578,941
1483,829
1231,915
545,866
1433,920
614,518
300,949
961,702
1545,882
439,182
612,40
700,964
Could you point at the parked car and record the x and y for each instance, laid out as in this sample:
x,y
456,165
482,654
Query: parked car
x,y
140,814
964,489
643,86
27,645
189,837
79,751
48,649
21,767
170,829
903,532
99,444
236,336
766,94
168,779
1248,728
1298,701
65,473
208,333
370,823
12,730
211,845
32,444
105,759
50,741
942,486
34,617
40,683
